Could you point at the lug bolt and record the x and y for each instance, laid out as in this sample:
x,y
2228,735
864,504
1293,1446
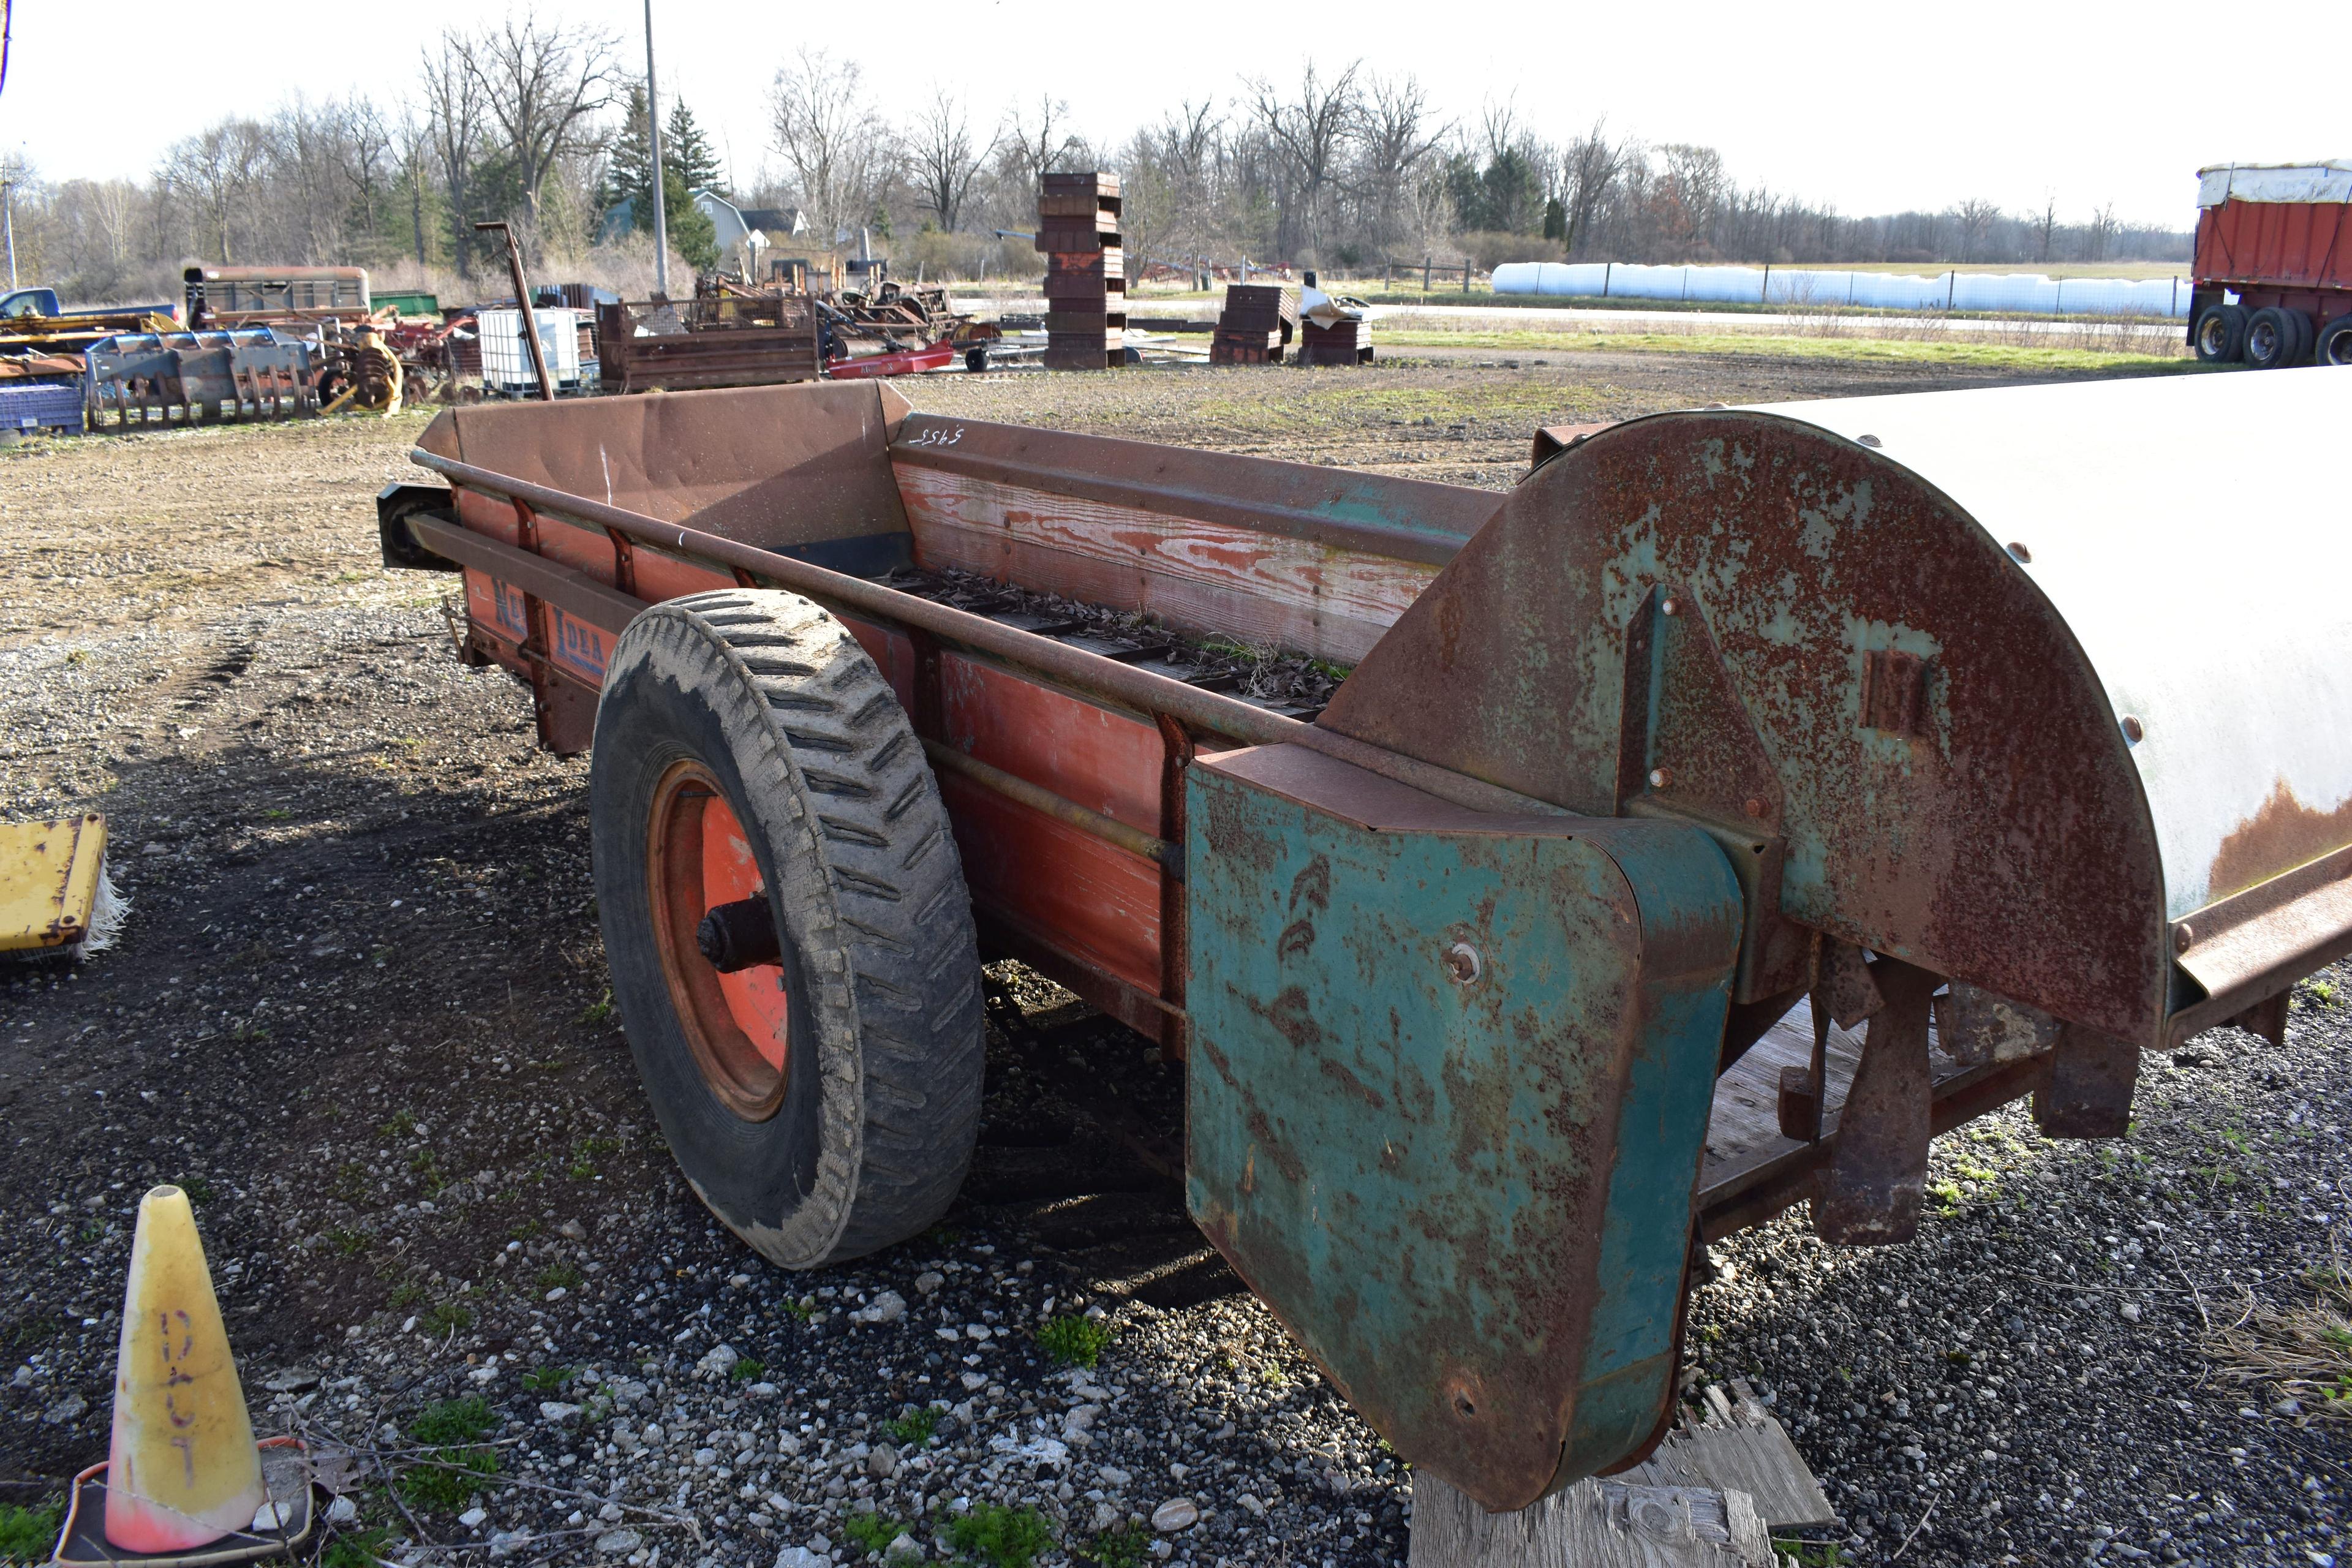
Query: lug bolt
x,y
1461,961
1662,778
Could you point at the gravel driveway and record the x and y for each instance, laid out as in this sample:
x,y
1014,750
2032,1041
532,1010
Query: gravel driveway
x,y
359,1013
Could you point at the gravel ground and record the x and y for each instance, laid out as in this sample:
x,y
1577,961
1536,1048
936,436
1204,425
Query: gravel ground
x,y
360,1012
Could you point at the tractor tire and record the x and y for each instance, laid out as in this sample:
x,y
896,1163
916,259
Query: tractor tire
x,y
813,1047
2335,346
2220,334
2276,337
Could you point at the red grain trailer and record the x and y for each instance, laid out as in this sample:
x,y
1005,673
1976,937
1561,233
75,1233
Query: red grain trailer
x,y
2274,270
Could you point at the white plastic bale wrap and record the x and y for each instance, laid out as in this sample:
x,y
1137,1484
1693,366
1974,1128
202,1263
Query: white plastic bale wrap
x,y
1816,287
2198,555
2327,181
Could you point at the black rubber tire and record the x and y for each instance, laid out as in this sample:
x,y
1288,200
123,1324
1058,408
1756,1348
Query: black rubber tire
x,y
774,698
2334,343
2276,337
2219,337
975,358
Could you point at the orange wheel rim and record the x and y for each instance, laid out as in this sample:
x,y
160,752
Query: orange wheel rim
x,y
738,1026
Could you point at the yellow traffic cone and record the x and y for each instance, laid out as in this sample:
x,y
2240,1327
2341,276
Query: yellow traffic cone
x,y
183,1470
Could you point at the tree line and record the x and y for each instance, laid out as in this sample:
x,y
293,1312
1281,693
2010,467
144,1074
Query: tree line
x,y
540,123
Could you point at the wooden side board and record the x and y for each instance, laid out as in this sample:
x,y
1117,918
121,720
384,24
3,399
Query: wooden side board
x,y
1203,578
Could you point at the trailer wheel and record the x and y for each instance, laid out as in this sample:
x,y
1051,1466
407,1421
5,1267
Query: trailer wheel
x,y
784,913
2220,334
2274,337
2334,345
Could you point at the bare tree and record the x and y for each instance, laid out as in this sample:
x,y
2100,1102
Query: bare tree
x,y
1976,217
1588,170
457,119
831,137
2045,226
211,171
1032,147
1310,133
942,159
2099,233
542,87
1399,134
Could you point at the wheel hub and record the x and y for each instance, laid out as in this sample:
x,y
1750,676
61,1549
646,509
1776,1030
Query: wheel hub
x,y
729,992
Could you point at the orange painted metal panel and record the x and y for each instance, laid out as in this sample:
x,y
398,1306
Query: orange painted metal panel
x,y
1099,901
1104,760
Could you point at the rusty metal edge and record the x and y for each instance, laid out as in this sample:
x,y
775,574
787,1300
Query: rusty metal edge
x,y
1762,1191
1430,547
1136,690
1067,812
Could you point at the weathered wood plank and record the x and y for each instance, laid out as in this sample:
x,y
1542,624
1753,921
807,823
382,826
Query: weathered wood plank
x,y
1200,577
1593,1524
1740,1447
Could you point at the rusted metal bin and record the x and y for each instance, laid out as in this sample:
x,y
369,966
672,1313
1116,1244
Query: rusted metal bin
x,y
1995,727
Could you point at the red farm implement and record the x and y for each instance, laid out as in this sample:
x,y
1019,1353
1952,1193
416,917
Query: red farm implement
x,y
1524,960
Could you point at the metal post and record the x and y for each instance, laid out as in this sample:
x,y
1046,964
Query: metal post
x,y
529,317
653,137
8,223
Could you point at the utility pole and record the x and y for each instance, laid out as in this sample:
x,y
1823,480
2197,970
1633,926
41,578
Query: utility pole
x,y
653,137
8,222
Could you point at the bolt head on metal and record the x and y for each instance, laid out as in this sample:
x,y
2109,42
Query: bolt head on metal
x,y
1752,807
1670,606
2133,728
1662,778
1462,962
2183,937
1872,442
2019,554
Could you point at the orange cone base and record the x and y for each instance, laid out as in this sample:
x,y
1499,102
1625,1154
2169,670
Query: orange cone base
x,y
282,1471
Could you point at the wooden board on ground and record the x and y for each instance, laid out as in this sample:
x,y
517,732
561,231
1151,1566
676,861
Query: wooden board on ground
x,y
1739,1446
1593,1524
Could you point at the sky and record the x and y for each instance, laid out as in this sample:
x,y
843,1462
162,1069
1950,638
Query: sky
x,y
1868,107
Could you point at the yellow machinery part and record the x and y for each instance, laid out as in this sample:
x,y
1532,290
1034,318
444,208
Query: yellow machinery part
x,y
49,881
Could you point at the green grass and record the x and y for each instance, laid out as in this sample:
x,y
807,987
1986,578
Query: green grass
x,y
599,1011
453,1421
915,1429
199,1191
364,1550
453,1471
547,1379
1371,401
871,1531
1811,1553
587,1152
1120,1548
347,1243
445,1318
558,1274
1943,351
398,1125
1074,1341
747,1370
27,1533
1000,1536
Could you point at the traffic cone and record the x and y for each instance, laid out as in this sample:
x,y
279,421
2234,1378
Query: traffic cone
x,y
183,1470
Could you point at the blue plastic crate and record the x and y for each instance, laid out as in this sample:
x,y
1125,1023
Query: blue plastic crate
x,y
41,405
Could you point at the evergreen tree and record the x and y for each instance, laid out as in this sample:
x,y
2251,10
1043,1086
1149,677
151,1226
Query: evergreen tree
x,y
691,233
687,150
628,166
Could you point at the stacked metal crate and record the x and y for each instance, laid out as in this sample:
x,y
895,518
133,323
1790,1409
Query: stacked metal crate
x,y
1085,278
1257,322
1341,342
